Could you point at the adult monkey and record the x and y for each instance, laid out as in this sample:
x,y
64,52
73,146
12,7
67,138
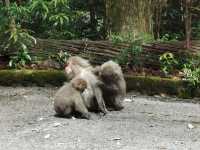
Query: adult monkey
x,y
75,65
81,68
114,87
113,90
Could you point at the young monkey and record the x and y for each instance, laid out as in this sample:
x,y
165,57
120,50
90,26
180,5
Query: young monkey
x,y
74,97
68,99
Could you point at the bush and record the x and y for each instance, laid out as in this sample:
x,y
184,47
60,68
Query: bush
x,y
168,63
61,58
191,71
21,59
131,55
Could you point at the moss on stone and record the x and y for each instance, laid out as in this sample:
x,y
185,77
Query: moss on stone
x,y
146,85
29,77
156,85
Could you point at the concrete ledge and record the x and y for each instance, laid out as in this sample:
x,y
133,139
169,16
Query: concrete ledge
x,y
31,77
147,85
156,85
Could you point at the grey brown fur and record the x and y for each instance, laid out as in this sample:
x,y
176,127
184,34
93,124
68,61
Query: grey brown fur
x,y
114,87
68,100
109,75
78,67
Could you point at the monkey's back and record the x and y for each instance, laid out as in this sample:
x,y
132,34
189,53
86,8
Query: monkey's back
x,y
65,98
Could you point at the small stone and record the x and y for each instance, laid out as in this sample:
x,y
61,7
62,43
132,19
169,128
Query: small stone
x,y
163,95
40,119
118,143
190,126
35,130
56,124
73,118
25,96
47,136
157,96
128,100
116,139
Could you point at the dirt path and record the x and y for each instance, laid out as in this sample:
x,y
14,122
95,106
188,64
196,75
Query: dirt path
x,y
27,122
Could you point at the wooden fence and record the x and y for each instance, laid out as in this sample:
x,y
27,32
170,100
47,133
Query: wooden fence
x,y
101,51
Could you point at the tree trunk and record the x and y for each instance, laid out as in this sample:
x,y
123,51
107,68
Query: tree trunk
x,y
130,16
7,2
12,24
93,20
188,22
160,4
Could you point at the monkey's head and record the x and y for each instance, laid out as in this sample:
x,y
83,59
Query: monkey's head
x,y
74,65
110,71
107,75
79,84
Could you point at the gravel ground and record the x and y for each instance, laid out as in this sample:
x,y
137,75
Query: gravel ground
x,y
27,122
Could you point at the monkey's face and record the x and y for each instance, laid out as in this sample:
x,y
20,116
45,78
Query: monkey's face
x,y
108,74
69,71
74,65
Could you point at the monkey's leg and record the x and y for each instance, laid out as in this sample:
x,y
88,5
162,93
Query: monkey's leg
x,y
100,101
80,107
118,102
67,112
63,111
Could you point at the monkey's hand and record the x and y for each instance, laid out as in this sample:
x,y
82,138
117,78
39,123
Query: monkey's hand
x,y
101,114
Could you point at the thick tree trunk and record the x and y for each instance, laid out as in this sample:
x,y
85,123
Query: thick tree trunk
x,y
130,16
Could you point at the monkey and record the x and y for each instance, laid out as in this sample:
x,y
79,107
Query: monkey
x,y
110,73
114,87
75,65
72,98
68,99
78,67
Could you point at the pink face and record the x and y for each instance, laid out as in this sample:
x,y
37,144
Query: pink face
x,y
69,70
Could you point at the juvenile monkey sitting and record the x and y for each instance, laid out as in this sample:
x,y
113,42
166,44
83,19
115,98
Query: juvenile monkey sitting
x,y
74,97
68,99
